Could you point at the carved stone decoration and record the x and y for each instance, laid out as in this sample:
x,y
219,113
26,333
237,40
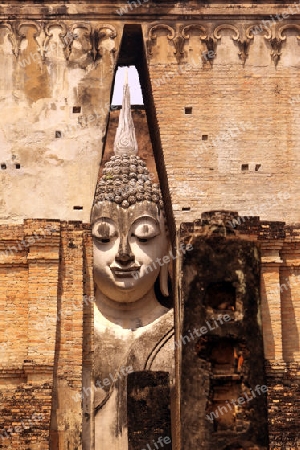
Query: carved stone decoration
x,y
194,26
243,44
81,42
226,26
202,35
65,36
94,37
11,37
15,36
252,31
152,37
106,42
210,53
276,44
21,35
289,26
179,45
41,39
129,238
257,29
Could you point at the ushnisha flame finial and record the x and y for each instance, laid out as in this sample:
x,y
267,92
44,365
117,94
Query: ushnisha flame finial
x,y
125,179
125,140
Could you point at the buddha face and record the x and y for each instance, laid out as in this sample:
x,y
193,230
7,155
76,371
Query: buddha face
x,y
128,247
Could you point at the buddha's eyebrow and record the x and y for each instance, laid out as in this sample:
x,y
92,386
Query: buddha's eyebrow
x,y
147,218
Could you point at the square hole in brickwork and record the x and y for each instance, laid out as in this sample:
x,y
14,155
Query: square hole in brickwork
x,y
78,208
188,110
186,208
3,166
18,166
76,109
257,167
58,134
204,137
245,167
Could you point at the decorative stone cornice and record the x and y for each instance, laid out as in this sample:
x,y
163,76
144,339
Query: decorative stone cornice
x,y
98,38
91,35
242,34
152,36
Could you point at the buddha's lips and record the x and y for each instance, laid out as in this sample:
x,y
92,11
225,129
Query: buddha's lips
x,y
121,272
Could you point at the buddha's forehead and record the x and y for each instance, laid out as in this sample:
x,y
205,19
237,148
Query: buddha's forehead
x,y
124,217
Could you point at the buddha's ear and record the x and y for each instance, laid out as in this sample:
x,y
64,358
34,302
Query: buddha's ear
x,y
163,280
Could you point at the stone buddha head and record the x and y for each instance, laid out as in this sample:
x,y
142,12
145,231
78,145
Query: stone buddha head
x,y
129,230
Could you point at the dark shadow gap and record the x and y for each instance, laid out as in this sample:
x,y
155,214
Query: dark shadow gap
x,y
132,53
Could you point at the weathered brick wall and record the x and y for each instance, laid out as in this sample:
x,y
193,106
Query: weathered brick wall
x,y
210,379
24,416
56,103
278,313
88,339
283,405
13,301
241,115
289,288
236,149
244,104
66,420
43,286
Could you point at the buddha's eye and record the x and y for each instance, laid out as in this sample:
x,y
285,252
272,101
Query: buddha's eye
x,y
104,230
145,229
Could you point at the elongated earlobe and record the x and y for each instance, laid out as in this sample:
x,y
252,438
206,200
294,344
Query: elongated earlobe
x,y
163,280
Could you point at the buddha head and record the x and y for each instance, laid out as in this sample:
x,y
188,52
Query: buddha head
x,y
128,223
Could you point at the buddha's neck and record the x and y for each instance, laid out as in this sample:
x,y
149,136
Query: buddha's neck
x,y
130,315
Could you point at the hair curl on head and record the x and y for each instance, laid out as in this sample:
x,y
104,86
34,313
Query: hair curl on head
x,y
126,181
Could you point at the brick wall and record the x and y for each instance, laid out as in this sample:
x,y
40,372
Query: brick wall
x,y
241,116
278,247
43,285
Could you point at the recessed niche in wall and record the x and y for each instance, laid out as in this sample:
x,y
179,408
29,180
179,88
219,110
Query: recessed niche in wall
x,y
222,357
257,167
220,296
188,110
225,411
18,166
204,137
58,134
76,109
227,357
3,166
245,167
78,208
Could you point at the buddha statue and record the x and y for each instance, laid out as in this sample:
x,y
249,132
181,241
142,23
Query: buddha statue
x,y
130,244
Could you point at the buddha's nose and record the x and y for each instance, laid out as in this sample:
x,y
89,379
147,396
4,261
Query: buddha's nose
x,y
124,255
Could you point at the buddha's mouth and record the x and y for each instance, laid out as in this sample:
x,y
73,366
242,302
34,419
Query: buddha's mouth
x,y
125,272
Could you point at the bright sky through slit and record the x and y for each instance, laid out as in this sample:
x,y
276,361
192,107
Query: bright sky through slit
x,y
136,97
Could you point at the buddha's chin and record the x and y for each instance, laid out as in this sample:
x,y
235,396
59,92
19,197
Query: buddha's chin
x,y
125,290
